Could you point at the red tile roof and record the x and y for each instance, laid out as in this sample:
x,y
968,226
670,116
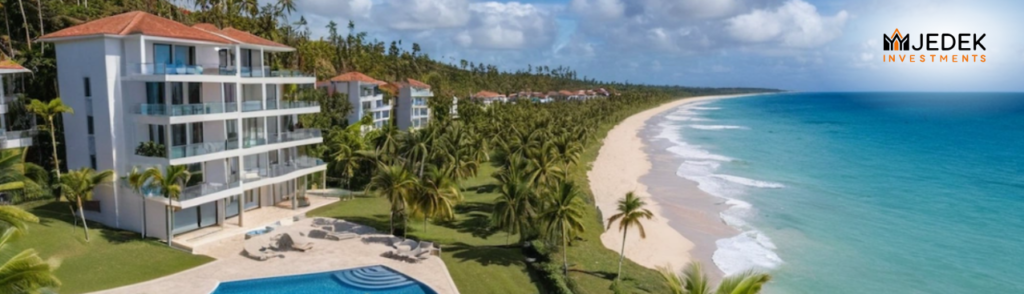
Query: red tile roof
x,y
486,94
355,76
10,65
565,93
136,22
239,36
247,38
417,84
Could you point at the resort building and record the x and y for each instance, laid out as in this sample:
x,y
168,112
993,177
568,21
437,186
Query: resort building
x,y
151,92
413,111
365,95
488,97
11,136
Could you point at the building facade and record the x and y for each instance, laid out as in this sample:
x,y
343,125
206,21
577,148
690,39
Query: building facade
x,y
151,92
413,111
11,135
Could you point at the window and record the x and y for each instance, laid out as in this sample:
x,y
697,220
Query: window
x,y
177,94
184,55
88,88
197,132
89,124
92,161
154,93
161,58
178,136
195,93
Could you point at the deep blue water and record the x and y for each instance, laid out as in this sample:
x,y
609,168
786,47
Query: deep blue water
x,y
865,192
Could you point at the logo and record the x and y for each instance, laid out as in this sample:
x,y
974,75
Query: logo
x,y
966,44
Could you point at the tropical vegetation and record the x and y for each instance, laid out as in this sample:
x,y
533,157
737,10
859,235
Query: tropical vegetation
x,y
694,281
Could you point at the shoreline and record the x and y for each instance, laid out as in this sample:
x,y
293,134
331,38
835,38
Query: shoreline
x,y
686,223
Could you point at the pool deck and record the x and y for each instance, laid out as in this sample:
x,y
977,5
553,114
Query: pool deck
x,y
368,249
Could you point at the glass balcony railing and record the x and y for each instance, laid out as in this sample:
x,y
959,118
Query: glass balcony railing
x,y
298,104
186,109
179,69
197,149
192,192
204,189
267,72
248,106
283,137
281,169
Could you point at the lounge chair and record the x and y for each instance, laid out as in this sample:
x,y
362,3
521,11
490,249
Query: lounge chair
x,y
427,249
408,243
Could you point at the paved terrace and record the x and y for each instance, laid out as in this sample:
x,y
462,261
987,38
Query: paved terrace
x,y
327,255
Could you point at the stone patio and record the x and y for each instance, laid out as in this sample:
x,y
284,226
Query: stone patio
x,y
370,248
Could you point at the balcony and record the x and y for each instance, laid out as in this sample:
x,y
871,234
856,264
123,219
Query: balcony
x,y
191,192
186,109
422,92
283,137
281,169
204,148
267,72
16,139
160,69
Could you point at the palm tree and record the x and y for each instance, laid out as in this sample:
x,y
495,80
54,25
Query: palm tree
x,y
395,183
514,208
15,218
24,272
170,182
78,185
137,181
436,196
17,174
695,281
49,112
631,211
563,216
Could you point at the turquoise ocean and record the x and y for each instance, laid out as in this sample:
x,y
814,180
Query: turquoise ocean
x,y
863,192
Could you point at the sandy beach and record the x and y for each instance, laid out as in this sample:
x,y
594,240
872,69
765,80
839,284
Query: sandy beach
x,y
623,164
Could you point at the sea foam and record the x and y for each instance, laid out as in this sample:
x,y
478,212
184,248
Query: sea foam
x,y
717,127
748,250
751,248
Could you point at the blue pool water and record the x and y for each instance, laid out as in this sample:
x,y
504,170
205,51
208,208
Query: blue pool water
x,y
364,280
864,192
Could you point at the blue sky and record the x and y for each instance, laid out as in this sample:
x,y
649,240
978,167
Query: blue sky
x,y
805,45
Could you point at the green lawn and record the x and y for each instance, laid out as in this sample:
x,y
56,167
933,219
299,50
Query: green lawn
x,y
477,257
112,258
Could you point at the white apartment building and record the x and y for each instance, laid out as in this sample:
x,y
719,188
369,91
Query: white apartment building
x,y
148,91
9,91
365,95
413,111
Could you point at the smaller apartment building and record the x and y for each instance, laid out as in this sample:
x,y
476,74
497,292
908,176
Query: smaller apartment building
x,y
413,110
11,134
365,96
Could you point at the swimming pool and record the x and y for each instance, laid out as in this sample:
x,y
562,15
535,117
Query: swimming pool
x,y
377,279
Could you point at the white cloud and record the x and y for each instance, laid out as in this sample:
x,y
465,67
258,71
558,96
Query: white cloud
x,y
794,24
676,9
603,9
425,14
349,9
510,25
